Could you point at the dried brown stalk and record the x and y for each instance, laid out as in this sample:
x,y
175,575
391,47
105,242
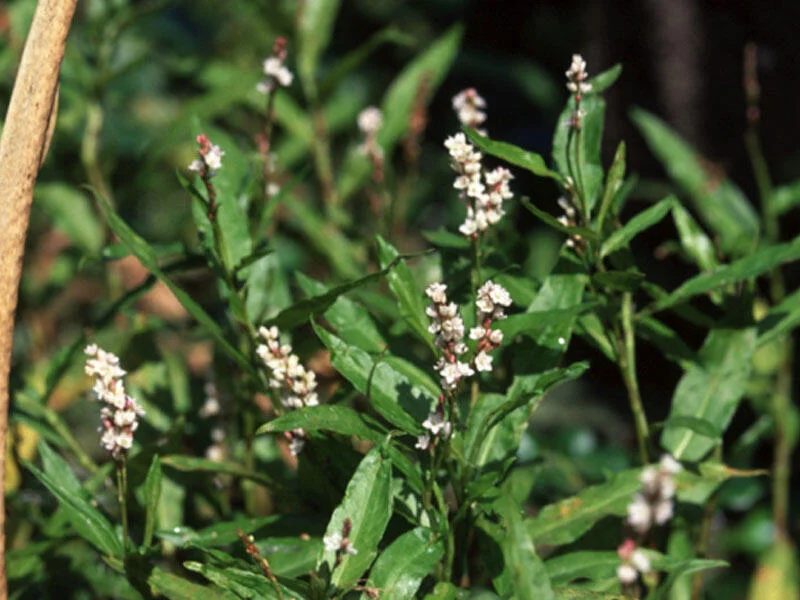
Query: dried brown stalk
x,y
23,146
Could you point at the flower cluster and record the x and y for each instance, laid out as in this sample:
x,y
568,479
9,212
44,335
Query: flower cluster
x,y
570,217
272,189
577,75
436,425
210,160
120,417
653,504
275,72
634,562
576,84
340,542
491,302
289,378
468,105
448,326
483,192
370,121
211,406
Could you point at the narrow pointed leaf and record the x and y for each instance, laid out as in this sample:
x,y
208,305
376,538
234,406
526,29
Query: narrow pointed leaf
x,y
410,298
352,321
722,205
367,503
314,29
389,392
400,568
752,265
87,521
512,154
142,250
710,391
152,495
529,578
644,220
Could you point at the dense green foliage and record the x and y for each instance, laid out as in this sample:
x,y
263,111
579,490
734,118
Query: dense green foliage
x,y
175,270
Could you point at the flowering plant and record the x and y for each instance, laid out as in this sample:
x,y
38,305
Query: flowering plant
x,y
386,434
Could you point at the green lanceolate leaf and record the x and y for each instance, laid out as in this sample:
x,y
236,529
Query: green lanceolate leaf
x,y
614,181
353,322
400,569
345,421
604,80
550,220
722,205
429,69
142,250
601,566
530,323
780,320
750,266
367,503
173,587
389,392
785,198
71,212
694,240
193,464
87,521
220,534
565,521
447,239
645,219
314,29
354,59
515,155
529,578
302,311
325,417
243,582
666,340
710,391
410,298
152,496
419,80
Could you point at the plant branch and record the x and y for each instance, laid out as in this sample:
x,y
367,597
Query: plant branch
x,y
31,114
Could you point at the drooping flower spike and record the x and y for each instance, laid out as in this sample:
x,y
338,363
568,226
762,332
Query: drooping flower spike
x,y
294,385
119,418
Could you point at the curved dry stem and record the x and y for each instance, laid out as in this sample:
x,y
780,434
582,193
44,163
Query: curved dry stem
x,y
22,148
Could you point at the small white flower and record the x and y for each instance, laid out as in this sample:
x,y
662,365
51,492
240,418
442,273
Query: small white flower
x,y
627,574
436,292
332,542
640,514
670,465
662,512
213,158
577,75
423,442
477,333
483,362
370,120
640,561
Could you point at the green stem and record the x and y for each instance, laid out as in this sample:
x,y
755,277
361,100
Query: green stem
x,y
122,497
580,186
768,217
782,461
475,388
627,366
